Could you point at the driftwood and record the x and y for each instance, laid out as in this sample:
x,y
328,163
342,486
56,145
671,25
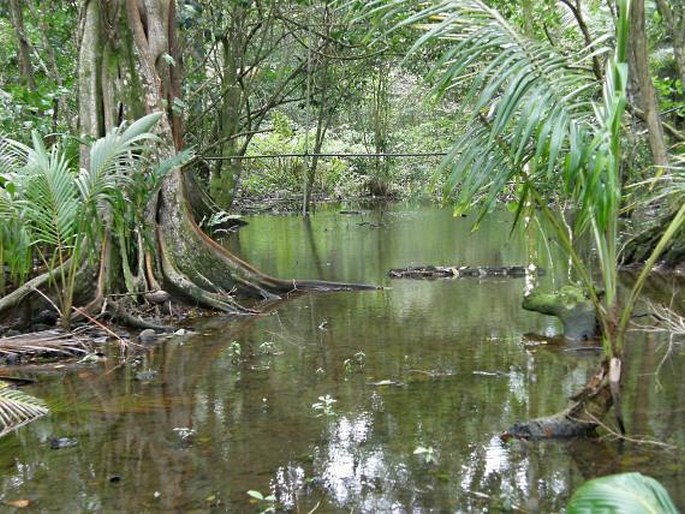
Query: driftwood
x,y
54,342
435,272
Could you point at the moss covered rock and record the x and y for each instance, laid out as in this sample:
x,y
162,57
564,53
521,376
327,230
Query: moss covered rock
x,y
571,305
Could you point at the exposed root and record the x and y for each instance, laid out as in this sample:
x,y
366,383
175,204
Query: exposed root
x,y
122,315
203,297
580,419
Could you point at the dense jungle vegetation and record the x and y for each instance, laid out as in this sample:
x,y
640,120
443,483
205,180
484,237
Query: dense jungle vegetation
x,y
469,103
133,130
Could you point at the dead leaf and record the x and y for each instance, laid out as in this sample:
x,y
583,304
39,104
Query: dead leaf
x,y
19,504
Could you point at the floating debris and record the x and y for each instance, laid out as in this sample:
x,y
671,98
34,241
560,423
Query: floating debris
x,y
435,272
58,443
387,383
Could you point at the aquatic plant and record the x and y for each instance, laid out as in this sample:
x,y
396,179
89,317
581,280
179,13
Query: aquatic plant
x,y
324,406
268,503
427,454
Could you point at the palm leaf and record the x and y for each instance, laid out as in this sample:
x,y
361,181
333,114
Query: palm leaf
x,y
629,493
112,156
51,204
18,408
13,155
538,101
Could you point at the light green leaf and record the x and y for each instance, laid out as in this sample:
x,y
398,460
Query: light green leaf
x,y
256,494
627,493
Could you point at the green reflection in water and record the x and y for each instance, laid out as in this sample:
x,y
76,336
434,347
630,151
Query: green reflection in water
x,y
440,365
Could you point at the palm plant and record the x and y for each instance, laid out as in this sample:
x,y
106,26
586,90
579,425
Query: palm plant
x,y
18,408
535,118
57,211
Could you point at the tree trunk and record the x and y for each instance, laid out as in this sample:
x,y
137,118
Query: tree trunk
x,y
23,44
643,87
125,71
59,102
380,117
323,121
226,174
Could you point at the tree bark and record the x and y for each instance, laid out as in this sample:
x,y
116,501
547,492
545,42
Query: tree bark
x,y
23,44
125,71
643,88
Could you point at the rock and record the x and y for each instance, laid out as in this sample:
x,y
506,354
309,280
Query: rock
x,y
158,296
573,308
46,317
57,443
148,336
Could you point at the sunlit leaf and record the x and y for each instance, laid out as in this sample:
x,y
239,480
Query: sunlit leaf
x,y
255,494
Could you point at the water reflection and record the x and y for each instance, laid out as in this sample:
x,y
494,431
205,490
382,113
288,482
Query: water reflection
x,y
443,366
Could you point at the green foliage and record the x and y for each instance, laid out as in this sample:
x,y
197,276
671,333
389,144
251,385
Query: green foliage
x,y
268,503
55,210
49,106
533,120
629,493
286,174
427,454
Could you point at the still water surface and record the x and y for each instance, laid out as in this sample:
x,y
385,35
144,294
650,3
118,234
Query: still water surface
x,y
374,401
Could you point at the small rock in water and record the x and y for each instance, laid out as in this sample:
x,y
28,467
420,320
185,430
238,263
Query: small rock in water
x,y
57,443
146,376
148,336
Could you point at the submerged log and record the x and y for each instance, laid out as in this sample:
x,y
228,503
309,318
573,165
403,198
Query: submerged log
x,y
435,272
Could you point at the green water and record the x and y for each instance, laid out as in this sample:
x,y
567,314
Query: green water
x,y
452,354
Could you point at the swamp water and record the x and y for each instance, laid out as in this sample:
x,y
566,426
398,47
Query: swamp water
x,y
373,401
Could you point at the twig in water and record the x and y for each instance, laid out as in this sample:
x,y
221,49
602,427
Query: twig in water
x,y
623,437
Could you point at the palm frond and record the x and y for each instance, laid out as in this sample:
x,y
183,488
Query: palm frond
x,y
111,157
13,155
18,408
52,204
528,96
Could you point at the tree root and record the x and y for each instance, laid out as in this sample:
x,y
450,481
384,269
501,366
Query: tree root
x,y
122,315
202,270
203,297
580,419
